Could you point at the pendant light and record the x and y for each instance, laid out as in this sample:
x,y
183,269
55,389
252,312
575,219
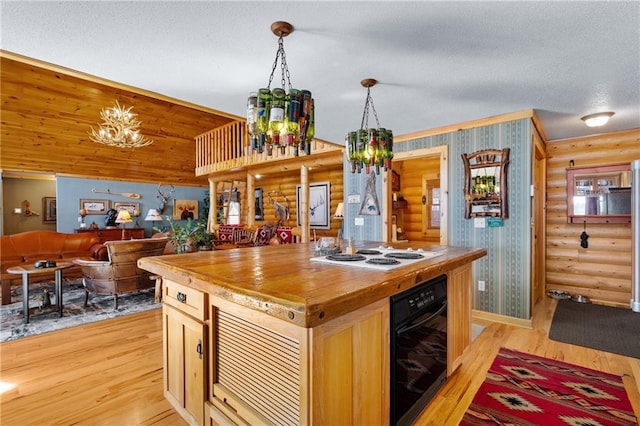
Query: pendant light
x,y
369,146
282,117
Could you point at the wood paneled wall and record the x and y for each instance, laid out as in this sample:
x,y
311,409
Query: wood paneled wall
x,y
412,173
603,270
47,111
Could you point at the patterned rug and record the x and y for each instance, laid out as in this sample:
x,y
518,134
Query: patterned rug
x,y
522,389
74,312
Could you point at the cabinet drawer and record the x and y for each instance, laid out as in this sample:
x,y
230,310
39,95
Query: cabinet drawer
x,y
185,299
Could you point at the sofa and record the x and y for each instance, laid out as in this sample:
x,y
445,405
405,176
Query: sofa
x,y
26,248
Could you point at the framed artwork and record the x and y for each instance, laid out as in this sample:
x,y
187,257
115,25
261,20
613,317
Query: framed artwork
x,y
185,209
319,205
94,206
50,210
395,181
259,204
132,207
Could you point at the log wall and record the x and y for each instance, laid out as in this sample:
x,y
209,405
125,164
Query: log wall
x,y
412,173
601,272
286,183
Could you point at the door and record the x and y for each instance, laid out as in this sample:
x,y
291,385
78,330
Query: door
x,y
538,220
431,213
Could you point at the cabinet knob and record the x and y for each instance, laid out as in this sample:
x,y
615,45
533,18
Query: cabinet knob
x,y
182,298
199,348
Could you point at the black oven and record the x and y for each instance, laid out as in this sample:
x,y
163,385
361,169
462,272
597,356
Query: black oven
x,y
418,348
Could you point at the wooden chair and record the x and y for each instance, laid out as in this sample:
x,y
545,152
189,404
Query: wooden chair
x,y
120,273
244,237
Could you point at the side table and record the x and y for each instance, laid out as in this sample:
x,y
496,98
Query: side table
x,y
28,270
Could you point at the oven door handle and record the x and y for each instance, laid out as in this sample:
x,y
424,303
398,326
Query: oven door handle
x,y
407,329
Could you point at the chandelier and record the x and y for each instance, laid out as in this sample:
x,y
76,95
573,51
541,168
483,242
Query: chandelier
x,y
120,128
277,118
368,146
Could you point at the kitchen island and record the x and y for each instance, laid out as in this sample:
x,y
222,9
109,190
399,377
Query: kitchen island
x,y
265,336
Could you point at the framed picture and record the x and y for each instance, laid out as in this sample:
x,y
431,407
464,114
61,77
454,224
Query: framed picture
x,y
319,205
50,210
185,209
132,207
259,205
94,206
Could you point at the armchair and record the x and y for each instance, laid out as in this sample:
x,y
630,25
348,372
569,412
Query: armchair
x,y
120,273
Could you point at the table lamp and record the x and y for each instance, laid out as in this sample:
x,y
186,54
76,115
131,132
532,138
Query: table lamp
x,y
124,217
152,216
339,214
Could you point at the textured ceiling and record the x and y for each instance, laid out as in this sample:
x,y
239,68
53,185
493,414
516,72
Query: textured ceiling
x,y
437,63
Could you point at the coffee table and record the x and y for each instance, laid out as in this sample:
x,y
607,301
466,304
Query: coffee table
x,y
28,270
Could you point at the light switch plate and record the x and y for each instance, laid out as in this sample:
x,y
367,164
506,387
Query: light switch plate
x,y
478,222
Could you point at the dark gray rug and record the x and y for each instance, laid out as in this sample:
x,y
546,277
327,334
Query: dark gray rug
x,y
74,312
604,328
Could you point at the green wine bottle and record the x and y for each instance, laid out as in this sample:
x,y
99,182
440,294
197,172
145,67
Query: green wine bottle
x,y
291,119
276,116
311,128
264,105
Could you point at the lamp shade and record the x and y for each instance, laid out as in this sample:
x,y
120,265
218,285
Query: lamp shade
x,y
339,214
152,216
123,217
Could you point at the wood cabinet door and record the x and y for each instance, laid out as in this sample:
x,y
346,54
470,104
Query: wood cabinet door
x,y
184,364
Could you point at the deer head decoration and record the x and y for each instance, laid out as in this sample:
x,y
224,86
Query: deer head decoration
x,y
164,194
312,209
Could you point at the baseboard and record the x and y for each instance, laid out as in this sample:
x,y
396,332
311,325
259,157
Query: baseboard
x,y
502,319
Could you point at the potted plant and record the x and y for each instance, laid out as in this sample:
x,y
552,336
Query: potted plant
x,y
182,236
202,238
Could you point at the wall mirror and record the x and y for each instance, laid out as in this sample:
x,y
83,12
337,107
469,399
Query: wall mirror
x,y
599,194
485,183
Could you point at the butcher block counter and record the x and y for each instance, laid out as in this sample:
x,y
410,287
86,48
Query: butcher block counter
x,y
264,335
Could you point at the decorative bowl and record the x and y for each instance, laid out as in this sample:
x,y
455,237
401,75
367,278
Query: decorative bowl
x,y
559,294
580,298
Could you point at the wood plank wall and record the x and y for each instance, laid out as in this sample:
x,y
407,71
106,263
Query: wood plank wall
x,y
601,272
412,172
47,111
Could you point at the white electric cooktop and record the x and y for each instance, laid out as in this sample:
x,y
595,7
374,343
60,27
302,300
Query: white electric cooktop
x,y
382,258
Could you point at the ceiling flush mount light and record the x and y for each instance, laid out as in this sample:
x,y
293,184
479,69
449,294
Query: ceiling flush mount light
x,y
119,128
277,117
368,146
597,119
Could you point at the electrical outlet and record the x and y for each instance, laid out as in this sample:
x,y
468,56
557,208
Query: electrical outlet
x,y
359,221
481,285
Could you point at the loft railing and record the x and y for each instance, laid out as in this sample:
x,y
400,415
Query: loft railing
x,y
229,147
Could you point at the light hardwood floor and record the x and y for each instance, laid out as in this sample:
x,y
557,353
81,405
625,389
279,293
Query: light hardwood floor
x,y
110,372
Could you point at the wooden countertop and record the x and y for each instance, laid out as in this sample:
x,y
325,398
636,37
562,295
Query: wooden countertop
x,y
282,282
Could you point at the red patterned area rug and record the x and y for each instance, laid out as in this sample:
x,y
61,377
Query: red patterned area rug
x,y
522,389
